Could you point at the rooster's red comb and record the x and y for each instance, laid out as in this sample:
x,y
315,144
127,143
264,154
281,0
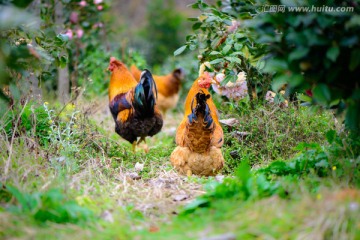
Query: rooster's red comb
x,y
112,59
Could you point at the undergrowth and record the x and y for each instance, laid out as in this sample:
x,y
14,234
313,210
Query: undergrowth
x,y
60,169
269,132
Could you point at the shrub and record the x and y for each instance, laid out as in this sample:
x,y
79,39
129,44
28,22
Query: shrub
x,y
164,30
33,122
221,39
268,133
50,206
315,51
245,185
339,159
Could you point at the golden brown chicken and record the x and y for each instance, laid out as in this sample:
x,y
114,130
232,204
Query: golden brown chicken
x,y
168,87
199,136
132,103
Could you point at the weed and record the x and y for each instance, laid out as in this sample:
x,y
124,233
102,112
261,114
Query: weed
x,y
270,133
243,186
48,206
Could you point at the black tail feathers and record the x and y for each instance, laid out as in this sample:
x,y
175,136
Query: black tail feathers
x,y
201,108
144,99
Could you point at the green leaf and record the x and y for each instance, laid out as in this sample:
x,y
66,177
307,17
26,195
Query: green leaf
x,y
322,94
353,22
352,118
354,59
275,65
63,61
330,136
197,203
180,50
196,26
215,42
194,6
27,201
279,81
298,53
226,49
332,53
243,172
228,78
211,19
216,61
215,53
304,98
233,59
38,40
238,46
63,37
296,80
323,163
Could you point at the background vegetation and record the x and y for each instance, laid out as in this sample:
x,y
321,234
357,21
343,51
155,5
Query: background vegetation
x,y
290,172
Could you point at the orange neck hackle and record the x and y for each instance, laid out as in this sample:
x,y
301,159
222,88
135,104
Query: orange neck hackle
x,y
121,80
202,83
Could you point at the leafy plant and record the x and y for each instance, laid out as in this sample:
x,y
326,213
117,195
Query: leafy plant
x,y
163,32
315,52
28,47
340,159
265,133
230,47
32,122
245,185
49,206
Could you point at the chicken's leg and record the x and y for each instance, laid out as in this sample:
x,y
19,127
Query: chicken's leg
x,y
134,146
146,148
142,139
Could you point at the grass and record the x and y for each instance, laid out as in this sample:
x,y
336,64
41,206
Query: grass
x,y
92,168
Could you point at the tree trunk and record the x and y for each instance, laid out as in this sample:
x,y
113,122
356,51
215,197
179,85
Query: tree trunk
x,y
63,73
63,84
35,89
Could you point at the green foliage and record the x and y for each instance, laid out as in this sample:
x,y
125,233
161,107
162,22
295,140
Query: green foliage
x,y
28,47
91,71
245,185
315,51
164,30
340,159
222,40
50,206
33,122
89,48
268,133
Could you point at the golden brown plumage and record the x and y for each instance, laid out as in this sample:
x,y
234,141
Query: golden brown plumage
x,y
199,136
132,103
168,87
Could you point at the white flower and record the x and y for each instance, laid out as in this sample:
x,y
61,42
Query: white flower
x,y
241,77
220,77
